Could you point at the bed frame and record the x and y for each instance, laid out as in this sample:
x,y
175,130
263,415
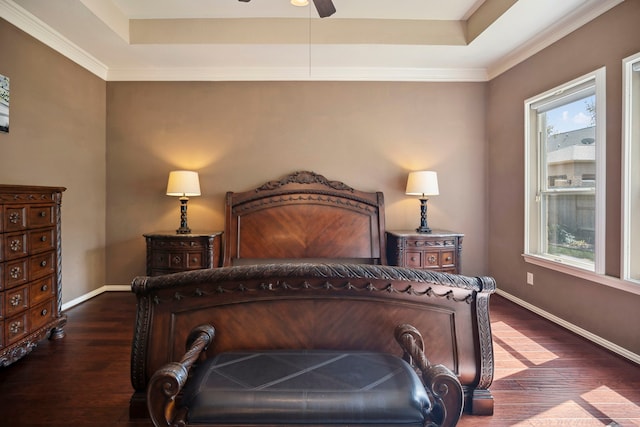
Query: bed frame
x,y
305,269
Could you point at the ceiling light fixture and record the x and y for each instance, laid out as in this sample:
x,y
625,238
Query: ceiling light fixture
x,y
300,2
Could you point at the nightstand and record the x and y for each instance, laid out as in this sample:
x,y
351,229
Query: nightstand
x,y
169,252
438,251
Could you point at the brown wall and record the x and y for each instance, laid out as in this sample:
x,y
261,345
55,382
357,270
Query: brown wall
x,y
604,311
57,138
240,134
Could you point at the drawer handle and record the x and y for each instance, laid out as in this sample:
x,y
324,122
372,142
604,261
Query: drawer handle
x,y
15,245
43,213
44,288
43,239
43,263
15,272
44,312
177,260
16,300
432,259
413,258
194,259
448,258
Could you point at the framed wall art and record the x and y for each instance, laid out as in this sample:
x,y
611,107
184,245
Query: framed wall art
x,y
4,103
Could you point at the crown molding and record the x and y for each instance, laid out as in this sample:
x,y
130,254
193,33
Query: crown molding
x,y
591,10
37,29
298,74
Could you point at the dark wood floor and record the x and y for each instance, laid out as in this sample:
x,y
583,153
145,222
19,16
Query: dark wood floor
x,y
545,376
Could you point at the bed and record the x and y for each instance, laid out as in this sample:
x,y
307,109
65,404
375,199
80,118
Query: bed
x,y
304,269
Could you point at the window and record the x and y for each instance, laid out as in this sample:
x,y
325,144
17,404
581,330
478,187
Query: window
x,y
564,174
631,178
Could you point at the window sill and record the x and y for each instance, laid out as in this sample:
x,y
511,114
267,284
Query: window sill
x,y
601,279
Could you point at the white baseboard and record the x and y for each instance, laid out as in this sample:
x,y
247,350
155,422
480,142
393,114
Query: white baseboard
x,y
615,348
95,293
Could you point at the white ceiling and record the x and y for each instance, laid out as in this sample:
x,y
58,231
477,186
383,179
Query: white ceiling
x,y
414,40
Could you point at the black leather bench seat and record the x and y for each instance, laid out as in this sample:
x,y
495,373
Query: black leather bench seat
x,y
306,387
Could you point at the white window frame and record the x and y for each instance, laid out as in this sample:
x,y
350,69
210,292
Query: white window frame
x,y
631,164
533,236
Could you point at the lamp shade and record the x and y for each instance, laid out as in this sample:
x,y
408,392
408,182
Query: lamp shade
x,y
422,183
183,184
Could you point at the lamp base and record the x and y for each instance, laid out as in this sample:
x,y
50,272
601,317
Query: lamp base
x,y
184,228
423,230
424,227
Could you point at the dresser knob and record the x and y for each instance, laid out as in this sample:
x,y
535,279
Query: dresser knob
x,y
44,288
44,312
43,239
413,258
43,214
43,263
448,258
432,259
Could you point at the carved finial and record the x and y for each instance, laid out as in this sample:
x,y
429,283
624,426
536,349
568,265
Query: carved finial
x,y
304,177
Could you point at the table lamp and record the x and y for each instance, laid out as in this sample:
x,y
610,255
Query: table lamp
x,y
183,184
423,184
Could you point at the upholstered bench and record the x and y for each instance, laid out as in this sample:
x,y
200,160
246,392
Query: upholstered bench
x,y
306,387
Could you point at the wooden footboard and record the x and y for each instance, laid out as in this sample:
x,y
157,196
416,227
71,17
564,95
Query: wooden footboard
x,y
316,306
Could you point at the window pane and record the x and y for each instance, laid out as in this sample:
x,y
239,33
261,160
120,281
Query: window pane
x,y
632,172
570,148
571,225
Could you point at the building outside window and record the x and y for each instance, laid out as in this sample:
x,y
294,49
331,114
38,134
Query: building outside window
x,y
631,178
565,149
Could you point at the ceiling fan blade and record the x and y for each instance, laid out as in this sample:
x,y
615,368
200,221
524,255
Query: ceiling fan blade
x,y
324,7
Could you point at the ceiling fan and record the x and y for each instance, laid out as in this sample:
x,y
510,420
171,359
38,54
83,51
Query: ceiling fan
x,y
324,7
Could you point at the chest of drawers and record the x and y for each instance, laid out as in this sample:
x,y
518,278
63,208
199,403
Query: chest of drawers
x,y
30,269
168,252
438,250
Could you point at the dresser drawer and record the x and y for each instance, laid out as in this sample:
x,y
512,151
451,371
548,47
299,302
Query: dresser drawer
x,y
40,315
178,260
178,243
41,240
41,265
16,300
41,216
413,259
15,245
16,327
41,290
15,218
15,273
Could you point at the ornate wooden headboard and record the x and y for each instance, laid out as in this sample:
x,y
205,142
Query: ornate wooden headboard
x,y
304,217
